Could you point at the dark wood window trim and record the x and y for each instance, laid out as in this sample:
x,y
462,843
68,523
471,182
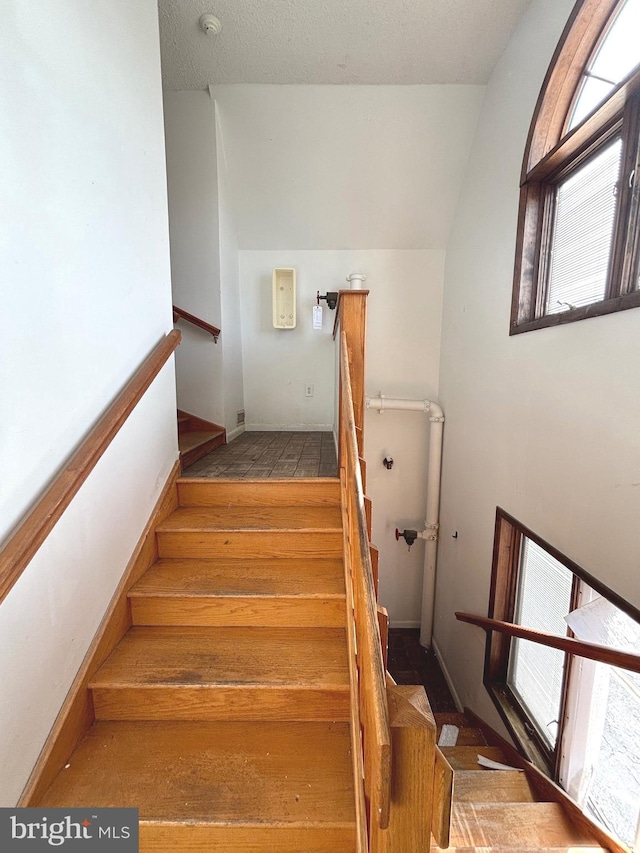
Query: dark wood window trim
x,y
508,539
550,152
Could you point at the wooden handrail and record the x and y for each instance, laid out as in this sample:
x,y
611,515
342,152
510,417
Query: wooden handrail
x,y
374,715
592,651
21,546
181,314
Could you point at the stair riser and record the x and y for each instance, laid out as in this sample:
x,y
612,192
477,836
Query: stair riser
x,y
282,493
249,544
238,703
239,611
201,450
230,838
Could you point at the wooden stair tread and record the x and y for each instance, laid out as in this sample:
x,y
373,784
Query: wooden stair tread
x,y
191,439
222,772
493,786
316,491
468,734
522,848
239,656
515,825
225,577
252,518
466,757
467,737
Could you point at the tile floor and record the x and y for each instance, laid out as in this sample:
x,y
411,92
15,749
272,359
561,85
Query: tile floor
x,y
278,455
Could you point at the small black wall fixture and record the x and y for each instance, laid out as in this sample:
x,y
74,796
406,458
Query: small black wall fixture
x,y
331,298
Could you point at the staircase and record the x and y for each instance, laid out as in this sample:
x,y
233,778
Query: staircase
x,y
223,712
236,692
506,810
197,437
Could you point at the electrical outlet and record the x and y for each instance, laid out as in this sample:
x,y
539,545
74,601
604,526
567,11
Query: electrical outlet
x,y
308,390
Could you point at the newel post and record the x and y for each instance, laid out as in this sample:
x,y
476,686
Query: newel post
x,y
413,740
351,317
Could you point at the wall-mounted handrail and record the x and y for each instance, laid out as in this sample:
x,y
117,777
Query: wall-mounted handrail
x,y
23,543
372,699
181,314
592,651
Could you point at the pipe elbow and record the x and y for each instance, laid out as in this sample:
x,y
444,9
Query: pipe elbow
x,y
436,415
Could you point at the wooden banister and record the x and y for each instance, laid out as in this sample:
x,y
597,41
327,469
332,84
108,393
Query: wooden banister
x,y
181,314
21,546
371,687
592,651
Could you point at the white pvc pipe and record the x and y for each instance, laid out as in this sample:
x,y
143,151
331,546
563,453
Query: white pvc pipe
x,y
432,524
387,403
432,520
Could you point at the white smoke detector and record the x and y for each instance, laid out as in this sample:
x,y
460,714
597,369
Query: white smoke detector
x,y
211,25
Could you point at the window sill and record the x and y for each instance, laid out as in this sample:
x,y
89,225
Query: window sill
x,y
525,744
597,309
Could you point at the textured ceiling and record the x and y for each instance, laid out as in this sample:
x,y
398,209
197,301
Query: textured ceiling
x,y
335,41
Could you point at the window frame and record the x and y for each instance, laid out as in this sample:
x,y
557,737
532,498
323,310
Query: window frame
x,y
507,550
550,154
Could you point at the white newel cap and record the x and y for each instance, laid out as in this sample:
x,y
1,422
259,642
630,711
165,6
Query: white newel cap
x,y
356,280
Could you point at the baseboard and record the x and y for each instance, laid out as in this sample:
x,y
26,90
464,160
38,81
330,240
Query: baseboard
x,y
407,624
447,675
235,433
77,715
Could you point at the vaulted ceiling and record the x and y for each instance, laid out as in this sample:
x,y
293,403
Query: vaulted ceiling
x,y
335,41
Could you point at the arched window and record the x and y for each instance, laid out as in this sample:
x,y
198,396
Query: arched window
x,y
578,231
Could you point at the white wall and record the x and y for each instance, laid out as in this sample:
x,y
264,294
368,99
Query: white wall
x,y
403,359
346,167
334,180
278,363
233,382
192,177
403,347
85,266
204,259
543,424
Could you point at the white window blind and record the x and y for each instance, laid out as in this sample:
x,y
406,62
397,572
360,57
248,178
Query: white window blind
x,y
582,232
535,671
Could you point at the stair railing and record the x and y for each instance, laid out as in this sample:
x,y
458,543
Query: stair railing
x,y
372,710
24,542
181,314
393,730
